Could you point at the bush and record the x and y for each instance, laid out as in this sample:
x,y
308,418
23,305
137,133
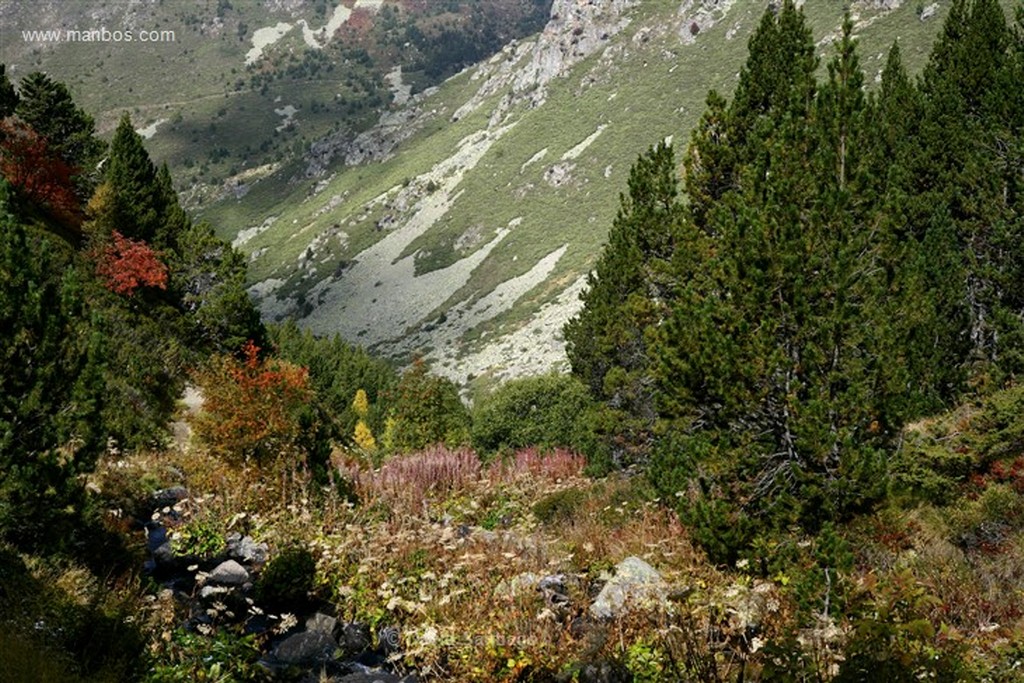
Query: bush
x,y
253,409
287,582
894,639
424,410
541,411
559,506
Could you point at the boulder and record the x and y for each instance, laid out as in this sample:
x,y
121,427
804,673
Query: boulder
x,y
246,549
635,583
169,497
354,638
324,623
374,677
228,573
163,556
305,648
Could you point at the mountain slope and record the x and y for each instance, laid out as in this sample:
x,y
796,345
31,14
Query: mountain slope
x,y
225,91
462,227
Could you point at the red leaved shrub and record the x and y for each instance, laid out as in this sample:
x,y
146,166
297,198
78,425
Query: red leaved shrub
x,y
39,175
125,264
252,408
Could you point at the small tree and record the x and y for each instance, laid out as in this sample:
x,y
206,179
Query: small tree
x,y
425,410
36,171
125,265
547,411
253,409
362,435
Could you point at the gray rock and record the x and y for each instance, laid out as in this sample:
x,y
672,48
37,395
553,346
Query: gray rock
x,y
229,573
246,549
306,647
169,496
373,677
213,592
355,638
156,536
163,556
929,11
635,583
324,623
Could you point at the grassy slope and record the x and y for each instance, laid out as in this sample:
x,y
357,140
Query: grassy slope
x,y
642,92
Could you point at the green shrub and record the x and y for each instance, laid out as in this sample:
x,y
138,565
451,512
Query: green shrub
x,y
894,639
541,411
288,579
424,410
559,506
201,538
224,656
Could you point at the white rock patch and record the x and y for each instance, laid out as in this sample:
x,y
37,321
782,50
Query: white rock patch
x,y
534,159
586,142
287,113
263,38
150,130
380,295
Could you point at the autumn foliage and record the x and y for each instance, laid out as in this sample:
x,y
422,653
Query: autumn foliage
x,y
38,174
124,265
253,407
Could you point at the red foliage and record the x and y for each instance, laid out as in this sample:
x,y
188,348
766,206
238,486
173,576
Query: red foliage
x,y
360,21
1003,472
41,176
251,406
126,264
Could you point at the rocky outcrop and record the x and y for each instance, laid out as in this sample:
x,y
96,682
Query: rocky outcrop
x,y
373,145
576,30
218,591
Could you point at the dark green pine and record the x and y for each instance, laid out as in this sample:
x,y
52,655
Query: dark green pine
x,y
8,95
607,342
48,108
133,179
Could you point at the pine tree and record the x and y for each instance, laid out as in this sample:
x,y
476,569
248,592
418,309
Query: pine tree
x,y
133,179
957,170
424,410
607,341
48,108
208,283
51,386
777,80
174,222
775,349
8,95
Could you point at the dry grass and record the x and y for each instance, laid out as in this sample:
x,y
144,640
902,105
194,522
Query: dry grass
x,y
438,543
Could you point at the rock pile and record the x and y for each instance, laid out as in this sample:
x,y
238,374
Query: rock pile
x,y
304,641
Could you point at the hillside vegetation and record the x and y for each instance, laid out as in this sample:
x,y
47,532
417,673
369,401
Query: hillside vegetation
x,y
789,448
463,225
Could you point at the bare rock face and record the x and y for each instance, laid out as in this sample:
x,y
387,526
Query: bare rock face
x,y
577,29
